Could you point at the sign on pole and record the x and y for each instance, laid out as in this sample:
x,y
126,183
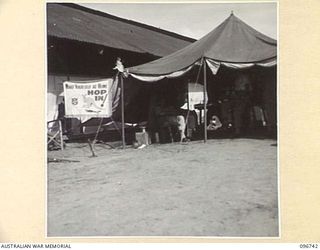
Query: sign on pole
x,y
88,99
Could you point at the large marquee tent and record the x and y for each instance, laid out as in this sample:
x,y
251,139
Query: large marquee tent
x,y
232,44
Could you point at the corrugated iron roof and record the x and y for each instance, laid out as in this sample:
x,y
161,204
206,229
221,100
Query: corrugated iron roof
x,y
71,21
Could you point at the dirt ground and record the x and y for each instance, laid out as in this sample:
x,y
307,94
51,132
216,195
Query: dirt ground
x,y
225,187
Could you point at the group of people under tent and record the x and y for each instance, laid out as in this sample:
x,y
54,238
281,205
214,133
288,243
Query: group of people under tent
x,y
233,111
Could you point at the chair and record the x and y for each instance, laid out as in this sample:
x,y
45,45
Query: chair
x,y
54,135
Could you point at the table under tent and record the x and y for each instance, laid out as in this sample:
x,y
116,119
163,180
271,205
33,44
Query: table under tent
x,y
235,64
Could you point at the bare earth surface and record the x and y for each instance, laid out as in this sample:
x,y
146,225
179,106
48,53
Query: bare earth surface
x,y
221,188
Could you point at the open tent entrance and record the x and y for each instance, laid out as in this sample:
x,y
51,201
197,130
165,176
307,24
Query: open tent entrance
x,y
254,112
245,100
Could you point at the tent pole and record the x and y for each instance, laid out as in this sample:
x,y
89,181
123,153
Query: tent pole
x,y
188,95
122,112
205,99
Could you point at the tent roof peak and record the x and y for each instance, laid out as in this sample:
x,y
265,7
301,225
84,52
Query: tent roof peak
x,y
233,41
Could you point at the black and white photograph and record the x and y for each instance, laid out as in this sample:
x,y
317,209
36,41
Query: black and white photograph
x,y
162,119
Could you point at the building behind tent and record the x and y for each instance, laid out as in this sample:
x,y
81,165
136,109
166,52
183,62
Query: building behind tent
x,y
83,44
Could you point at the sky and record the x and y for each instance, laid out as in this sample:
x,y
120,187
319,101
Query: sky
x,y
194,19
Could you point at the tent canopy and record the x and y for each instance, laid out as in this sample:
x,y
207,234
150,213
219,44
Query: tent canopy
x,y
233,42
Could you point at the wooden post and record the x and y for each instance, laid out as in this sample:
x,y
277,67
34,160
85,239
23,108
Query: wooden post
x,y
60,134
91,146
205,99
122,111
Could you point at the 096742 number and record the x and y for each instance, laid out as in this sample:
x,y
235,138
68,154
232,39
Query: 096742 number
x,y
308,245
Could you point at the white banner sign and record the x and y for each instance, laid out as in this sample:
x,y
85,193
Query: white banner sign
x,y
88,99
